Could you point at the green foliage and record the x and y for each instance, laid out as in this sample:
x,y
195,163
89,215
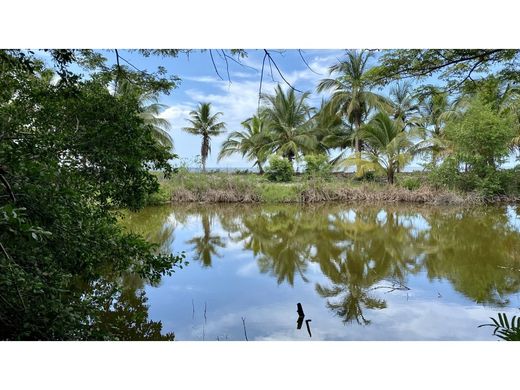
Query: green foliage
x,y
410,183
389,148
288,120
206,125
480,141
505,329
70,153
279,169
317,166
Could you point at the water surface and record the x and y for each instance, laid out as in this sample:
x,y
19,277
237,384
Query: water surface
x,y
361,272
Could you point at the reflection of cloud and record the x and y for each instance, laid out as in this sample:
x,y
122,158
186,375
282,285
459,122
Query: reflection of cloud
x,y
249,269
422,320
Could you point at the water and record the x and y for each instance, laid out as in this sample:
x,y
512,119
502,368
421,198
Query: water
x,y
361,272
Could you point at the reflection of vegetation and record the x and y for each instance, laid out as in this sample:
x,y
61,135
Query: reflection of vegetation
x,y
127,318
477,251
152,223
505,329
362,249
206,245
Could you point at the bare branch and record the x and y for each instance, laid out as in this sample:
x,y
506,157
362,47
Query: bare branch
x,y
279,71
214,65
306,64
244,324
8,188
261,80
227,66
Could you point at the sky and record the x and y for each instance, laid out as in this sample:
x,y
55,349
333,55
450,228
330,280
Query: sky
x,y
234,92
236,99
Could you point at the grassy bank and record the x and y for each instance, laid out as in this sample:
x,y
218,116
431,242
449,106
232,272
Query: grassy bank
x,y
252,188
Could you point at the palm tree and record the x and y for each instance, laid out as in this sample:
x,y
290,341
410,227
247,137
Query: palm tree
x,y
435,110
149,110
206,125
404,104
250,143
329,129
288,116
351,91
387,147
205,246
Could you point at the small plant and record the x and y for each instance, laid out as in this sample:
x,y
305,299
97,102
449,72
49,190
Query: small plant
x,y
317,166
280,170
509,331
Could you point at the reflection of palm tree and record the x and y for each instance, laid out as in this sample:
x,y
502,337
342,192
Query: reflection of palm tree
x,y
206,245
275,236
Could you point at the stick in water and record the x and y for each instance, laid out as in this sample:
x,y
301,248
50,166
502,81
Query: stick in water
x,y
244,324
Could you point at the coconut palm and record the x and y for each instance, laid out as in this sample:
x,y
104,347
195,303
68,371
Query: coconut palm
x,y
351,93
405,107
329,129
250,143
205,246
387,148
206,125
149,110
288,116
435,110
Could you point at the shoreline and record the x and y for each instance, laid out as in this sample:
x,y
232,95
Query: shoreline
x,y
254,189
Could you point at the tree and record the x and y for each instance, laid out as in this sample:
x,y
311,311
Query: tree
x,y
481,137
288,117
351,94
205,246
455,66
206,125
404,104
387,148
71,153
250,143
150,108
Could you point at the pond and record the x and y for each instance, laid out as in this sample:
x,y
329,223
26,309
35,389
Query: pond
x,y
360,272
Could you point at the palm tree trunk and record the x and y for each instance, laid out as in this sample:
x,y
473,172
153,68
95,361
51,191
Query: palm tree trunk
x,y
390,175
260,169
204,152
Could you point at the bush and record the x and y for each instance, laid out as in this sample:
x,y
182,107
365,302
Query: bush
x,y
317,166
411,183
279,169
368,176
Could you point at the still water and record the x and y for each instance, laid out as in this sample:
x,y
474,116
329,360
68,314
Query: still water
x,y
360,272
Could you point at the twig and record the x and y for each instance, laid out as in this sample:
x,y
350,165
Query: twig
x,y
214,65
279,71
261,80
8,188
15,283
227,66
205,319
306,64
244,324
308,327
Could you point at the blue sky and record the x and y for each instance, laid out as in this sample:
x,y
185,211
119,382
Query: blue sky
x,y
238,99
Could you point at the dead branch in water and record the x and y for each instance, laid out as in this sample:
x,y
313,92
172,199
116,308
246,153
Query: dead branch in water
x,y
244,324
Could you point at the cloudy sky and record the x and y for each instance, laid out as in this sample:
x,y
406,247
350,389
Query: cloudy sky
x,y
238,99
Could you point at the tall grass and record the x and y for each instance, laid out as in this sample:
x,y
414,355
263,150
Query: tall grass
x,y
252,188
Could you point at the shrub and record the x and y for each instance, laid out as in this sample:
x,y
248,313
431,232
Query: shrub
x,y
369,176
317,166
411,183
279,169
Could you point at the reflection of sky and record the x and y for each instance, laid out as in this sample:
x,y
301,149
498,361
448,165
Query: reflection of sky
x,y
234,288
